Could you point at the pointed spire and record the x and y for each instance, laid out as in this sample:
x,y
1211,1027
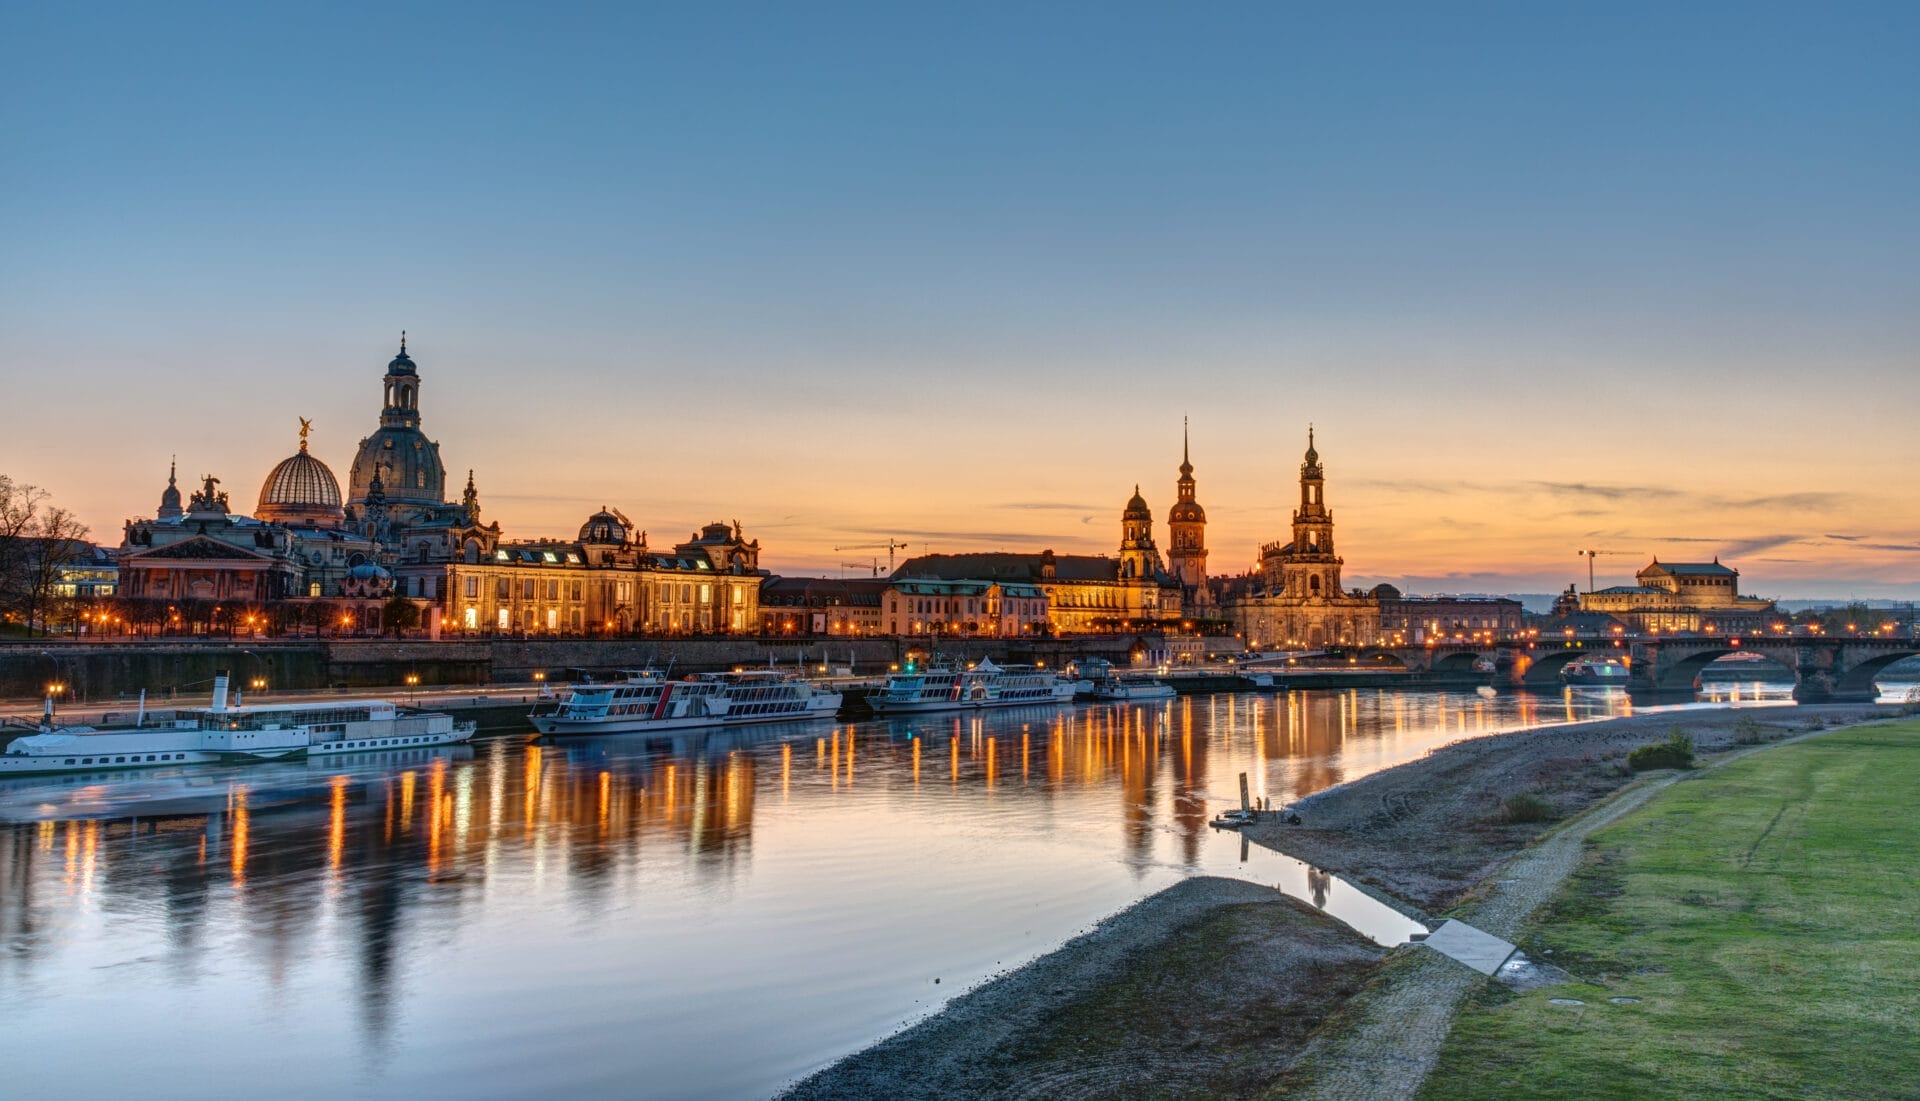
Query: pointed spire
x,y
1186,457
403,342
173,468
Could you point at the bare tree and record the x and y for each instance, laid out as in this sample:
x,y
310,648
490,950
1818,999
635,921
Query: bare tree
x,y
37,543
18,505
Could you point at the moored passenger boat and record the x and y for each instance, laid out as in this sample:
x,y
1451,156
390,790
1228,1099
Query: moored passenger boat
x,y
256,732
1102,683
647,701
1594,671
947,688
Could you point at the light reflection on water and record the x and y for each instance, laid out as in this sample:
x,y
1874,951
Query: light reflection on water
x,y
697,917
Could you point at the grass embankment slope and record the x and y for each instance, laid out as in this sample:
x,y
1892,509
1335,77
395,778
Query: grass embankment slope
x,y
1767,916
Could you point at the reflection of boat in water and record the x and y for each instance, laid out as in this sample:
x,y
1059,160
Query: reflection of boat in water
x,y
947,688
1099,682
219,733
707,744
646,701
180,792
1589,672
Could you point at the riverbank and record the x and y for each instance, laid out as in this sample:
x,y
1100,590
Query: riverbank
x,y
1204,988
1151,978
1748,932
1426,832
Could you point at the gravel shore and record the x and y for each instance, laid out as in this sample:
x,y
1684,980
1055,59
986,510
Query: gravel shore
x,y
1214,987
1207,988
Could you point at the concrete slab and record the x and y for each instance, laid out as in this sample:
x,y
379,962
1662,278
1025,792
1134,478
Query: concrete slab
x,y
1457,940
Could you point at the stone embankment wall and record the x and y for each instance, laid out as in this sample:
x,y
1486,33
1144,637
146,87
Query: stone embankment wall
x,y
106,671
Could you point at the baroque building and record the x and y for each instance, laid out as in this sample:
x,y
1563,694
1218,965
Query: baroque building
x,y
608,580
1295,598
300,544
393,533
1080,593
1682,596
1187,538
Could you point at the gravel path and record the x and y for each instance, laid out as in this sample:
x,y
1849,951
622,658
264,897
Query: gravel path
x,y
1391,1034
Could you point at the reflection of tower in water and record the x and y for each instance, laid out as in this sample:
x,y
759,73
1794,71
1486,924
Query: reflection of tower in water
x,y
1319,882
1190,793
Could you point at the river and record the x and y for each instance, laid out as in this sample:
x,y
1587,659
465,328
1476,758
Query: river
x,y
705,918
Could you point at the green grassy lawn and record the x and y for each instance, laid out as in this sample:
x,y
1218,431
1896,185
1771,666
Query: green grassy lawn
x,y
1767,916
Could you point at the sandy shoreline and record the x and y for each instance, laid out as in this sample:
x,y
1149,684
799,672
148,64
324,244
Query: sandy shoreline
x,y
1421,834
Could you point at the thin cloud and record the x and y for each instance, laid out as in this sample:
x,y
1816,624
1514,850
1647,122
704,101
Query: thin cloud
x,y
1047,506
1804,502
1606,492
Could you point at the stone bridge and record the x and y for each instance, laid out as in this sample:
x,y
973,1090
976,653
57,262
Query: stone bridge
x,y
1825,669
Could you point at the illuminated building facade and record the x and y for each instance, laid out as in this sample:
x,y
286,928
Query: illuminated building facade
x,y
1295,599
1412,620
1682,596
608,580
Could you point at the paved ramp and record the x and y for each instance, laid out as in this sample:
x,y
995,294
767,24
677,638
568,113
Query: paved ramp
x,y
1457,940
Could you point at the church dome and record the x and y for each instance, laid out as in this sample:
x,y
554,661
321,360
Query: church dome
x,y
605,527
401,364
301,488
1187,512
1137,507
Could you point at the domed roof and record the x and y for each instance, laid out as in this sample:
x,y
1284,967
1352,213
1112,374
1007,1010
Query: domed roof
x,y
401,364
367,571
300,488
1137,507
1187,512
605,527
1384,591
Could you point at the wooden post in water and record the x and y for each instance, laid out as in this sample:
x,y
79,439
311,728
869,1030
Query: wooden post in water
x,y
1246,805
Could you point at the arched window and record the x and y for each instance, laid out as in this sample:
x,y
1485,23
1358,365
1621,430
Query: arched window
x,y
1313,584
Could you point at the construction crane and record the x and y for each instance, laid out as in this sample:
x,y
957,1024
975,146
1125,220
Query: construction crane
x,y
889,546
1590,555
862,566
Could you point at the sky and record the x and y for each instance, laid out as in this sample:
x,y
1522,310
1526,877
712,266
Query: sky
x,y
1544,278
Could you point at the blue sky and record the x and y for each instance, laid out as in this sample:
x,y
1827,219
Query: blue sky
x,y
843,270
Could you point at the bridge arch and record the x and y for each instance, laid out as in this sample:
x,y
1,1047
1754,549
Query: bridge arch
x,y
1380,658
1858,679
1461,663
1543,667
1679,675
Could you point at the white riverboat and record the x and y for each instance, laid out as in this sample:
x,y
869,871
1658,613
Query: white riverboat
x,y
948,688
220,733
1099,682
1588,672
646,701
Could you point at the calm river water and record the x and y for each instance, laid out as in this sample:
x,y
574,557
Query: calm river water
x,y
708,918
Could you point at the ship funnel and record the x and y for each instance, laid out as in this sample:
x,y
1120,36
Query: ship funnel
x,y
220,691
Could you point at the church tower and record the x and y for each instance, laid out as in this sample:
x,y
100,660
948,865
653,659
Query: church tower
x,y
170,496
1138,556
1187,532
407,461
1312,570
